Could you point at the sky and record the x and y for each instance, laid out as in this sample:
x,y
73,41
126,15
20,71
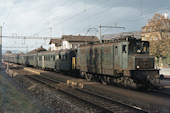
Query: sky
x,y
54,18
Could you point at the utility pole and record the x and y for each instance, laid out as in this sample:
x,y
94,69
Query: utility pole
x,y
27,48
100,34
51,31
0,47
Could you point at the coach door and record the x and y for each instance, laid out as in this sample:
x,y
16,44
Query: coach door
x,y
116,57
124,55
57,62
43,61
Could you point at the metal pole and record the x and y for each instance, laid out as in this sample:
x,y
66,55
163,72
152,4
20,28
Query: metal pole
x,y
100,34
27,48
0,47
108,27
7,69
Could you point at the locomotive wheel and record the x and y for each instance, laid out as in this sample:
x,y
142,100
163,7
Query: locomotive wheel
x,y
130,83
104,80
89,77
82,74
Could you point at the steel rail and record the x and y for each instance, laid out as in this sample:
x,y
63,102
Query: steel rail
x,y
66,92
164,93
106,109
118,102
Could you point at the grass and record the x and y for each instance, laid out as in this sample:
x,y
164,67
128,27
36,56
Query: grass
x,y
12,101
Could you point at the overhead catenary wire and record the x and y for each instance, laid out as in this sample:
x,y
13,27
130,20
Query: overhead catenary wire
x,y
82,12
145,12
134,17
11,9
45,22
118,4
121,21
66,27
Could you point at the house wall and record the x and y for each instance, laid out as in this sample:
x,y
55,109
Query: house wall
x,y
54,48
69,45
66,45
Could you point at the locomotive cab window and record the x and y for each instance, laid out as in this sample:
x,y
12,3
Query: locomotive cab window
x,y
139,47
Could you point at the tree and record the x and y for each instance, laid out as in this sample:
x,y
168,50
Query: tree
x,y
157,31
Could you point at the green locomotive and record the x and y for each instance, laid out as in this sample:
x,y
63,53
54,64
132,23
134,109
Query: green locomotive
x,y
123,61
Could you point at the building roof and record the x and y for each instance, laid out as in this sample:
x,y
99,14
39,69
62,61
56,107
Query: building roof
x,y
136,34
79,38
37,50
56,41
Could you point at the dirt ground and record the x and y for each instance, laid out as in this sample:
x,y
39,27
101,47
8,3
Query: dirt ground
x,y
12,101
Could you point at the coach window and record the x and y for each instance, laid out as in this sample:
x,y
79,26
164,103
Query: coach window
x,y
53,57
123,48
116,50
57,57
66,57
49,57
63,57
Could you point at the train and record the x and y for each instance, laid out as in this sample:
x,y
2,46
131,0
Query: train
x,y
125,61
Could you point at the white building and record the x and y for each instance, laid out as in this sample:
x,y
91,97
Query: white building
x,y
70,41
55,44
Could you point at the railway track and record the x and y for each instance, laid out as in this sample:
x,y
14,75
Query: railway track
x,y
101,103
159,92
97,101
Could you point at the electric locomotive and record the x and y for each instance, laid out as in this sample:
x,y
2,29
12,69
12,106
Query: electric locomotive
x,y
124,61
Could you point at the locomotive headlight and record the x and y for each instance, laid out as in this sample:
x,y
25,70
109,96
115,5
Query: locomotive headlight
x,y
137,67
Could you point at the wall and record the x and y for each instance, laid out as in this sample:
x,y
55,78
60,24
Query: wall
x,y
66,45
54,48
